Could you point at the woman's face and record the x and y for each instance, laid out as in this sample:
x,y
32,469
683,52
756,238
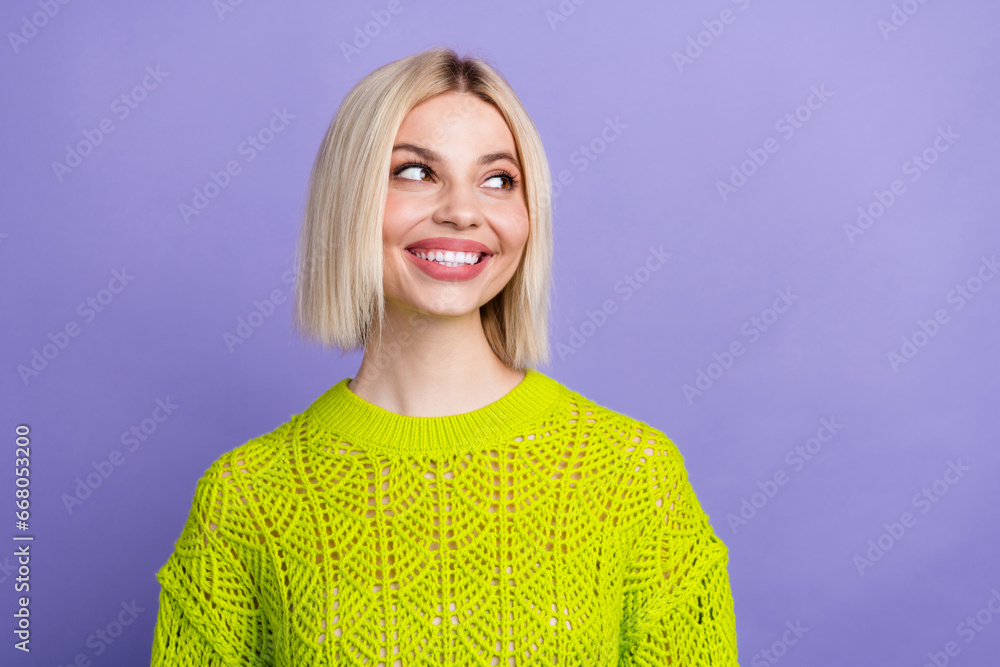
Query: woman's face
x,y
454,185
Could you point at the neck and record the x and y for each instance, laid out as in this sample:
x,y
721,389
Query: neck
x,y
352,422
429,366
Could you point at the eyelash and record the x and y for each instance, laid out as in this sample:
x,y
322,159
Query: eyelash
x,y
511,178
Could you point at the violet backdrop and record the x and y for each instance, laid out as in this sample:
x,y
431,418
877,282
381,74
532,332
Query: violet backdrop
x,y
776,241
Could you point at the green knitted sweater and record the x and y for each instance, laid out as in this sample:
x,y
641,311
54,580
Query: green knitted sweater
x,y
542,529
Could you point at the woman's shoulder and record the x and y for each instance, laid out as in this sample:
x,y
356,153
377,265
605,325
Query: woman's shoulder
x,y
263,455
650,468
631,433
644,451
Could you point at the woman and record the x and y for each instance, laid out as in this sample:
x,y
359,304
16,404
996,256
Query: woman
x,y
449,505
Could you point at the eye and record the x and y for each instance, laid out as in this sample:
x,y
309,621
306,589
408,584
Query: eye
x,y
417,172
506,180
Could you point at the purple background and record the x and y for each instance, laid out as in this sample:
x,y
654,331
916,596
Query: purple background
x,y
681,130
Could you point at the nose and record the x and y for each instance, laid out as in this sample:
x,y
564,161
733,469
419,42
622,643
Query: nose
x,y
458,206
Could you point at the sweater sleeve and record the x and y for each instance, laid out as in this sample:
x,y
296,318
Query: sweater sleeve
x,y
177,641
679,608
209,611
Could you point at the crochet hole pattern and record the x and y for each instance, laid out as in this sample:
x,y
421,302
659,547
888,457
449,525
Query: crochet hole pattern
x,y
553,532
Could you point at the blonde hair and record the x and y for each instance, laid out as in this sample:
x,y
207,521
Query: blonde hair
x,y
338,294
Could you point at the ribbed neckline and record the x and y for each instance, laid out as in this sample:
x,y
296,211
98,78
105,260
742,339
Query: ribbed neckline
x,y
374,428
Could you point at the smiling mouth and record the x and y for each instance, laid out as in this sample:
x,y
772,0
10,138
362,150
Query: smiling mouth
x,y
448,257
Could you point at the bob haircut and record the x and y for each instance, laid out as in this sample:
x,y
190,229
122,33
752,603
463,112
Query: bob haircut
x,y
339,293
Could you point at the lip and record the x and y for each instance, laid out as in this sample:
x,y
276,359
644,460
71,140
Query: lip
x,y
453,244
449,273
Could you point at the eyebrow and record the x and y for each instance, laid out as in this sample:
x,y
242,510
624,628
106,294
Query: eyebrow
x,y
433,156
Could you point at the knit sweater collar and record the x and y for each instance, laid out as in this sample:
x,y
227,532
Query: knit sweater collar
x,y
367,425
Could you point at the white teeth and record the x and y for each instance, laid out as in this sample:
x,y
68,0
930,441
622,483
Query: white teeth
x,y
448,257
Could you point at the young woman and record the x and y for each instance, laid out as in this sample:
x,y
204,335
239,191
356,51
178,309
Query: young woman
x,y
450,504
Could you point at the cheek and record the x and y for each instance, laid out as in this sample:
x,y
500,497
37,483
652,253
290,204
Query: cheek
x,y
399,215
514,229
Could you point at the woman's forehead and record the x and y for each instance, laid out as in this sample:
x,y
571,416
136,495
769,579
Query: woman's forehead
x,y
451,120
